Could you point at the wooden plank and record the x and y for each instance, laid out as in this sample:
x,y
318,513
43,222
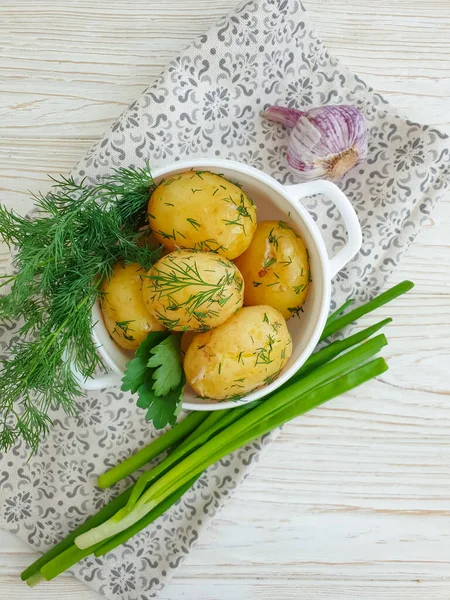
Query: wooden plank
x,y
85,64
247,589
401,49
68,69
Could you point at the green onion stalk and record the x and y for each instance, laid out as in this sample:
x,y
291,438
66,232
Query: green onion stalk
x,y
199,459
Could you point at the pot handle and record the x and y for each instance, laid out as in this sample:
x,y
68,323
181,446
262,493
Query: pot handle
x,y
96,382
343,204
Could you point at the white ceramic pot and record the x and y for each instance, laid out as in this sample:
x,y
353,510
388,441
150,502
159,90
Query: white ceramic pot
x,y
273,201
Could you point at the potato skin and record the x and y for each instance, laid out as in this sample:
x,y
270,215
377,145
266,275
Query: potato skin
x,y
247,351
202,211
121,302
193,291
148,238
276,268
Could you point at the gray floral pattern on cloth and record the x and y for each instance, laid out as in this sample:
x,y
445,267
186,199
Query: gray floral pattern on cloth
x,y
207,103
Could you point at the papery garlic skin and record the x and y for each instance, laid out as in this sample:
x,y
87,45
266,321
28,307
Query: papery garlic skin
x,y
325,142
284,115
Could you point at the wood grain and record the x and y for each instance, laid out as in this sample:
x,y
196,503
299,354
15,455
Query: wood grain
x,y
353,500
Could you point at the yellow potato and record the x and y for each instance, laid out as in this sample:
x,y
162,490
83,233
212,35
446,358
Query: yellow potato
x,y
202,211
276,268
193,291
247,351
125,315
147,238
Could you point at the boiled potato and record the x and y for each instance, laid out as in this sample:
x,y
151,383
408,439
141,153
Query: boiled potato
x,y
276,268
193,291
148,238
124,312
247,351
202,211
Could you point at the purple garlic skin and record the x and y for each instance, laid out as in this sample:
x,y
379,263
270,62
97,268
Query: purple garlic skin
x,y
325,142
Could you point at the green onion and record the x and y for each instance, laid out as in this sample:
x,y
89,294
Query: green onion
x,y
324,374
73,554
110,509
124,536
126,468
299,406
337,313
311,400
257,409
113,506
184,449
210,420
156,447
159,490
360,311
336,348
65,560
34,579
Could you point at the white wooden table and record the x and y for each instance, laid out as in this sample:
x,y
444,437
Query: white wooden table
x,y
353,501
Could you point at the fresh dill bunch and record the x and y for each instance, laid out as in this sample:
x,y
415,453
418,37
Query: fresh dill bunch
x,y
61,256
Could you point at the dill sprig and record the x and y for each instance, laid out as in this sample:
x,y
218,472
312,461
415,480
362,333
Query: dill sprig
x,y
61,255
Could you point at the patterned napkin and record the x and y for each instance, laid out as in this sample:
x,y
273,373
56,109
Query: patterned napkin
x,y
207,103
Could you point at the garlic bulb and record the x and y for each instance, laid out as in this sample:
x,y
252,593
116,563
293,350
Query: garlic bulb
x,y
325,142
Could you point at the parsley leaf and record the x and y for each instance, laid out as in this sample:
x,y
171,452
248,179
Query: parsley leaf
x,y
166,362
161,410
156,375
137,367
